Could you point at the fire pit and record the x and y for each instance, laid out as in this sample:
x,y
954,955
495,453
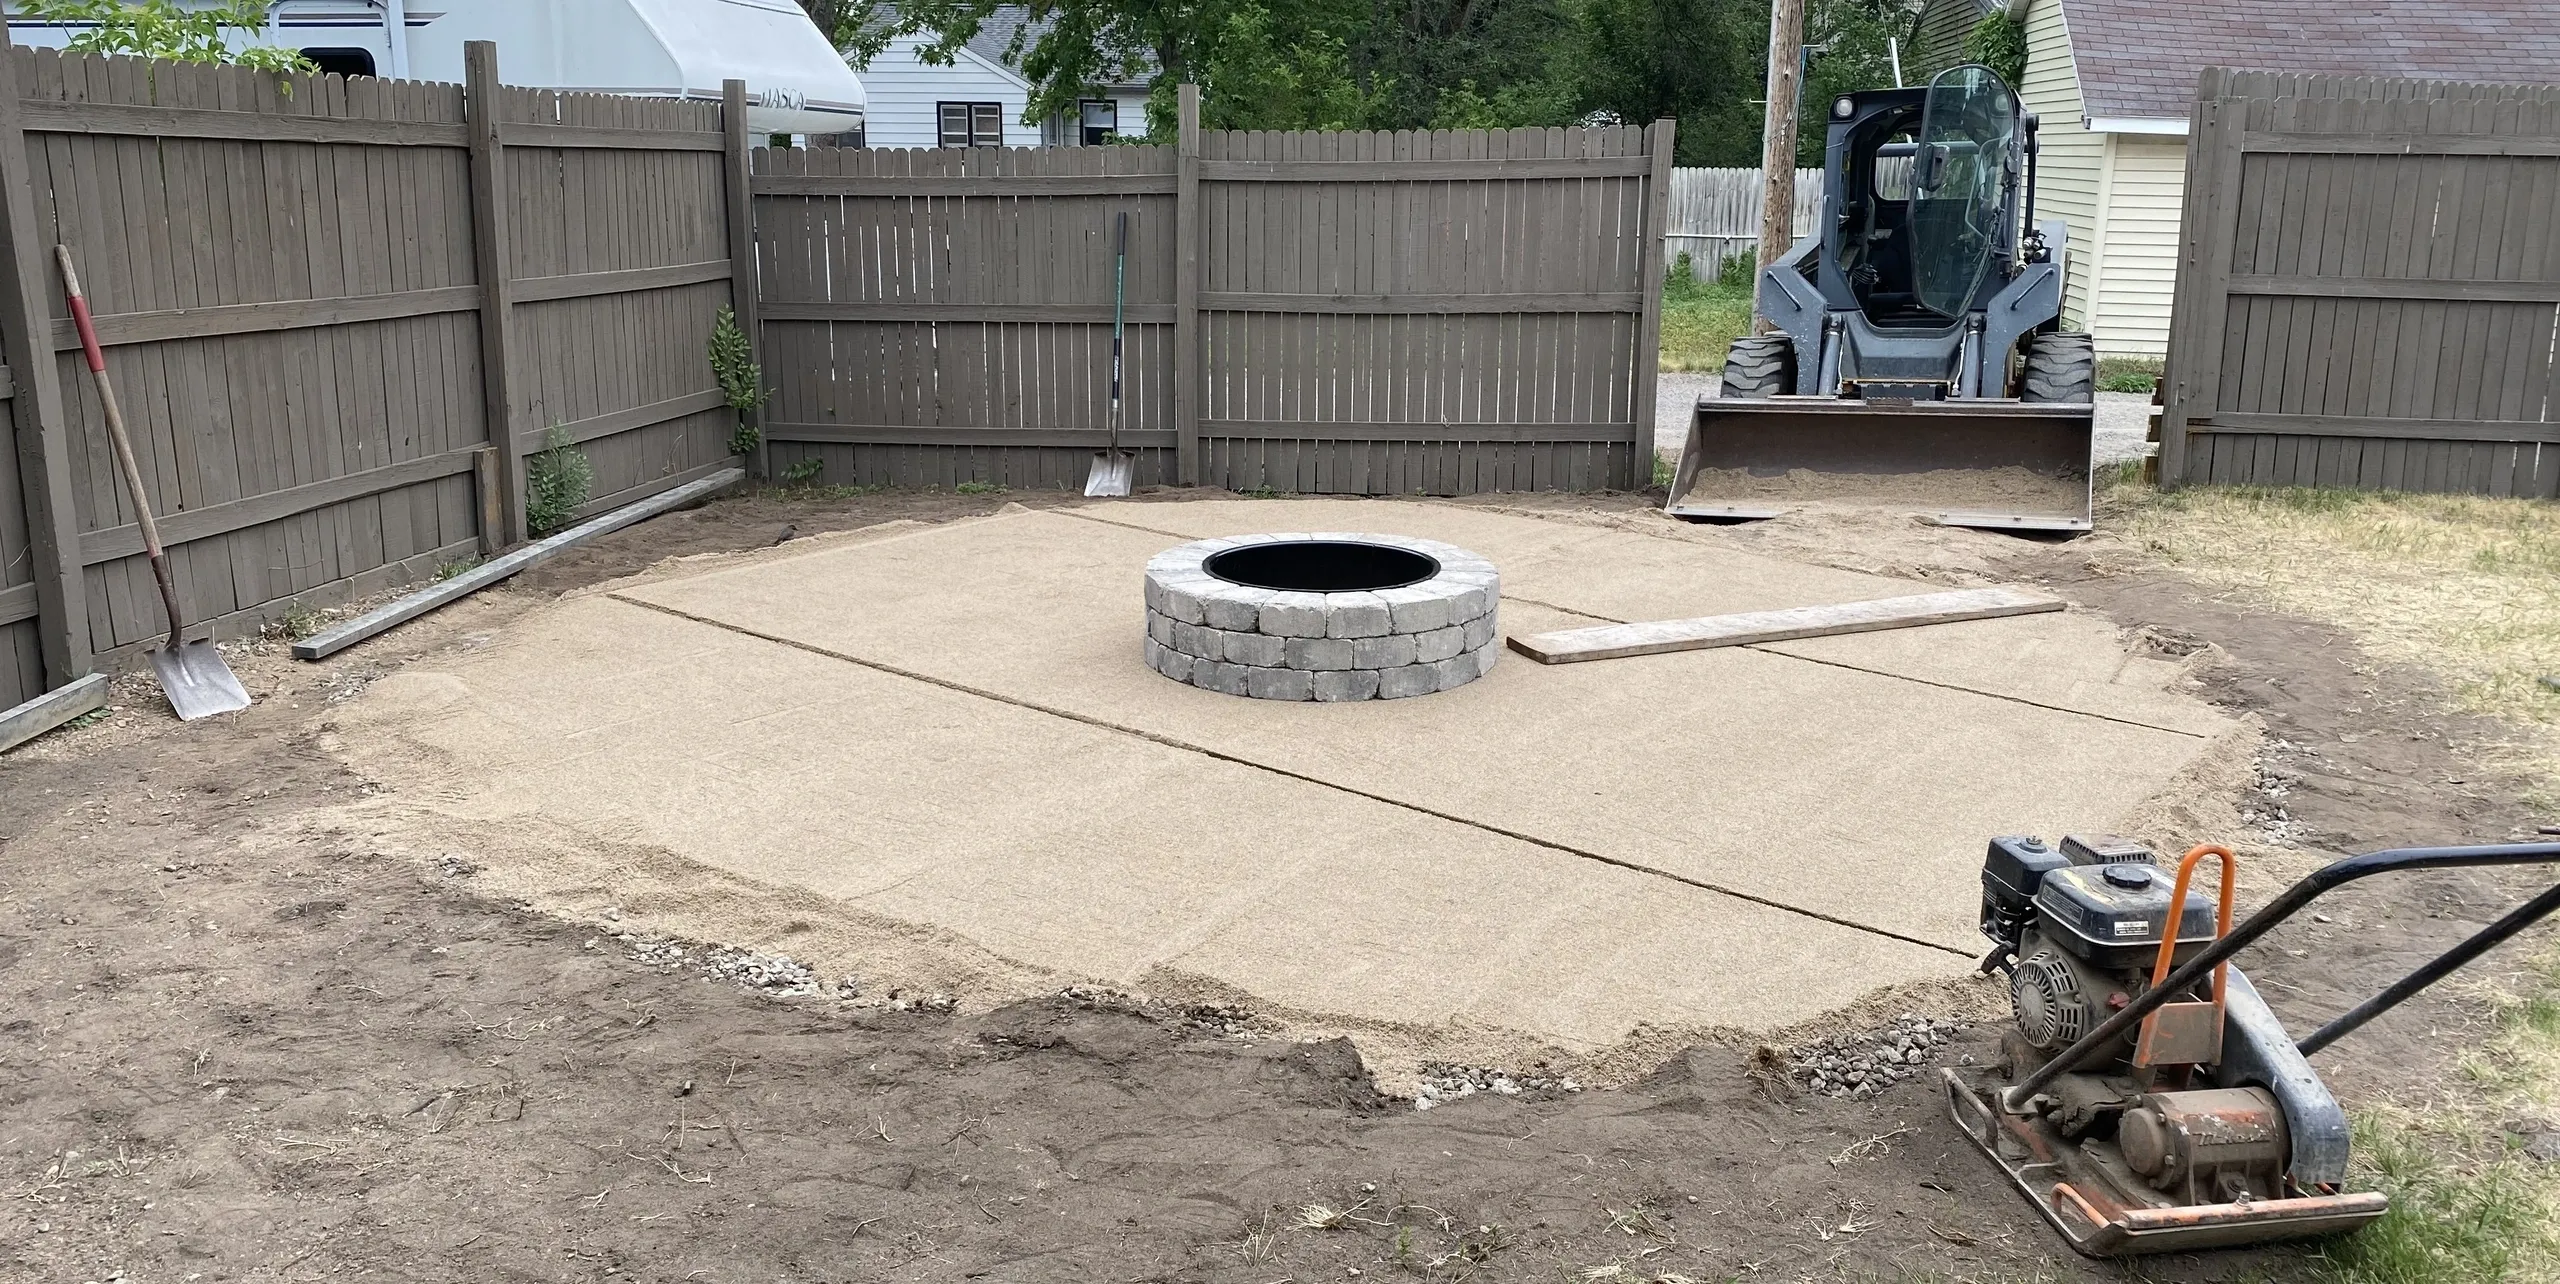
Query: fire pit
x,y
1323,616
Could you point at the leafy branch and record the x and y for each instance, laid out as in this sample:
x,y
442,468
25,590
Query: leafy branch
x,y
741,380
170,30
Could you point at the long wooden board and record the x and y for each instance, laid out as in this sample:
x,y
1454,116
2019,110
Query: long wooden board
x,y
1654,637
42,714
320,646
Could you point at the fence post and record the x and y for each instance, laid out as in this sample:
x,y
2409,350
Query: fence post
x,y
744,288
2200,307
1648,377
43,435
1188,391
497,293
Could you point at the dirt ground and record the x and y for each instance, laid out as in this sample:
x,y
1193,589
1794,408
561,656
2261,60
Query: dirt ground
x,y
232,1054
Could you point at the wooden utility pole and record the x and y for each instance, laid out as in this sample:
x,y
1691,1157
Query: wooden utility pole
x,y
1778,130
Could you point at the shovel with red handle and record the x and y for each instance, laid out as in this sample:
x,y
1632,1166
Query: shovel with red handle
x,y
192,674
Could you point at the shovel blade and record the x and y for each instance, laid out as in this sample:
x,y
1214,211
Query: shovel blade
x,y
1112,472
197,682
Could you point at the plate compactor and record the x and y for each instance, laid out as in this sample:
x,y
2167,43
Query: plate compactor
x,y
1918,360
2145,1100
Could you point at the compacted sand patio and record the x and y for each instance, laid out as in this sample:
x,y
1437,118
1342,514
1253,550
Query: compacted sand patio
x,y
932,756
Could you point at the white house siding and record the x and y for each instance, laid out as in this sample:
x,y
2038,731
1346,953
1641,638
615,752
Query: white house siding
x,y
905,90
2146,183
2072,163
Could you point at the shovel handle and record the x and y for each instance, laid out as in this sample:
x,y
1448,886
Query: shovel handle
x,y
116,436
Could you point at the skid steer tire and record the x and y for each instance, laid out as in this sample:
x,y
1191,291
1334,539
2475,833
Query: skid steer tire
x,y
1760,365
2061,367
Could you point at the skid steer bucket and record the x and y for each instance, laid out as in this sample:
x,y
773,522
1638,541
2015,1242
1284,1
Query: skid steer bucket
x,y
2000,465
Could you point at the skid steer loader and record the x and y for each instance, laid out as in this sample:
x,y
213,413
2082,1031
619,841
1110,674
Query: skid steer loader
x,y
1918,360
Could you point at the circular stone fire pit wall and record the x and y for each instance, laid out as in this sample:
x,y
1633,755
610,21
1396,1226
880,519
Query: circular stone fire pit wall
x,y
1322,616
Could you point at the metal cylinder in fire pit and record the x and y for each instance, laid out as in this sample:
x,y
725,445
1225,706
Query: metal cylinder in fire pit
x,y
1323,616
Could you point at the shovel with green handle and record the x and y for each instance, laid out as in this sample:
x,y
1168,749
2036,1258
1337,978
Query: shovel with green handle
x,y
1114,468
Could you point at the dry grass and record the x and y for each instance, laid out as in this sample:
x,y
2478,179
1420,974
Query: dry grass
x,y
2464,586
2468,588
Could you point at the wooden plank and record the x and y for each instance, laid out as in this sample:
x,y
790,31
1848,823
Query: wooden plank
x,y
2299,285
589,285
1189,389
614,138
939,185
1656,637
1648,344
490,212
42,426
968,313
25,722
1437,170
2398,144
2301,425
579,431
965,435
1486,302
162,325
18,603
322,645
138,121
189,524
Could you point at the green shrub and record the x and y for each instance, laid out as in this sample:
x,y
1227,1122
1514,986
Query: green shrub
x,y
741,380
2000,43
557,480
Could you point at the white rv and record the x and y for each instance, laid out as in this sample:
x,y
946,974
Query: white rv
x,y
796,81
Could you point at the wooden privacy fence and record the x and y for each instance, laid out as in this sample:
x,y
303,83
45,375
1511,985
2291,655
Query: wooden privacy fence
x,y
1714,214
339,313
1443,312
2370,286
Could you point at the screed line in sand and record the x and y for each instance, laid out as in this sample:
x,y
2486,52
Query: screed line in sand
x,y
1172,742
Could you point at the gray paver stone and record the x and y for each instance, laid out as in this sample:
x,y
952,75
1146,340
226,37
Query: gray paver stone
x,y
1356,615
1438,644
1346,684
1254,648
1237,610
1294,615
1410,680
1279,684
1319,653
1383,653
1214,676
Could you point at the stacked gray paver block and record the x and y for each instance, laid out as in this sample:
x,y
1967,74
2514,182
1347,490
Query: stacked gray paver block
x,y
1273,645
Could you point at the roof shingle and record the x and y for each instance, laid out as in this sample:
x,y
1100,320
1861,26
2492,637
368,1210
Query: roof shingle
x,y
2141,57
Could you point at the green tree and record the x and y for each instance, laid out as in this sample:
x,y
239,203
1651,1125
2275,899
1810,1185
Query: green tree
x,y
1847,42
1261,64
1699,62
168,29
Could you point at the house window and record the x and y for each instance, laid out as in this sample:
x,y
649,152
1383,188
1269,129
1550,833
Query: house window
x,y
1100,118
972,124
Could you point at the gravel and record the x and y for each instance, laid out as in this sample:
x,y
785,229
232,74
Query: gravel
x,y
1443,1083
1860,1065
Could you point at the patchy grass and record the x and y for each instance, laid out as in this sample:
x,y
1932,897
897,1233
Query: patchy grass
x,y
2127,374
1701,316
2468,588
2466,1208
2463,585
978,488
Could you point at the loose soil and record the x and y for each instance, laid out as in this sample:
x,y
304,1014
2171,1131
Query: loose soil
x,y
2023,490
233,1053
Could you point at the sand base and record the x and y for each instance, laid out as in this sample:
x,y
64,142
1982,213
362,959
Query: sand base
x,y
934,759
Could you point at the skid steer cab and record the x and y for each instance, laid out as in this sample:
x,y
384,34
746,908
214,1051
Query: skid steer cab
x,y
1916,359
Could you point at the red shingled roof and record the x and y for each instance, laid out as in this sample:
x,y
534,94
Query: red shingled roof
x,y
2141,57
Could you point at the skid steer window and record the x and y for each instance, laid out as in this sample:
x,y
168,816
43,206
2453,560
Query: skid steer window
x,y
1960,182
